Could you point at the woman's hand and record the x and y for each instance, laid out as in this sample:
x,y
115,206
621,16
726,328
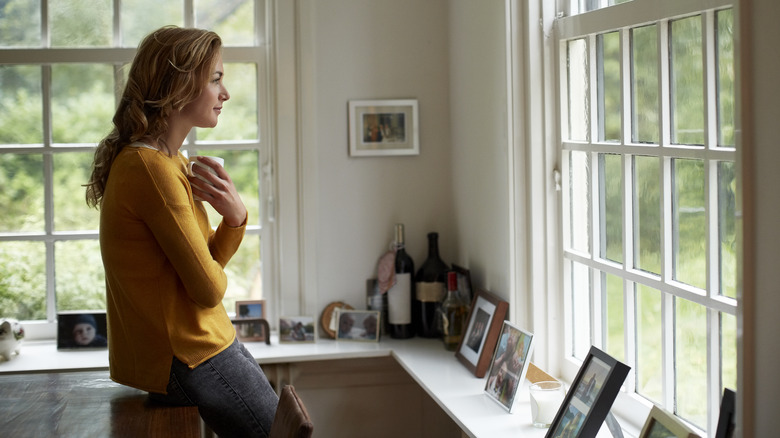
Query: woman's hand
x,y
220,191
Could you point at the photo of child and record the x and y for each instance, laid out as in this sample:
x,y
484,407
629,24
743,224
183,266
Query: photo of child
x,y
81,330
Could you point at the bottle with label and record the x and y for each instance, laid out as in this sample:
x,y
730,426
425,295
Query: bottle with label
x,y
430,288
401,294
454,314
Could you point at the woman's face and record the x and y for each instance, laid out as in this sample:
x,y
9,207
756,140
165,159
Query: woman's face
x,y
204,111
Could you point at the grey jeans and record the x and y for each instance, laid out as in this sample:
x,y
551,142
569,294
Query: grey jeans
x,y
232,393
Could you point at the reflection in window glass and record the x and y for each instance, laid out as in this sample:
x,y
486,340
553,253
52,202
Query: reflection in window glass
x,y
21,104
21,197
612,297
649,376
689,223
21,23
687,81
647,214
67,19
690,342
141,17
580,296
71,172
644,84
728,350
727,228
724,35
233,21
82,102
242,166
238,120
579,188
611,207
23,280
80,282
579,101
609,104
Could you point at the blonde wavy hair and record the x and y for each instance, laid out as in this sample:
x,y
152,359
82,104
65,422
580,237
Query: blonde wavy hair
x,y
170,70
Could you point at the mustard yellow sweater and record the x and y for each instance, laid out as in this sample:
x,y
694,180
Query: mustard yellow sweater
x,y
164,270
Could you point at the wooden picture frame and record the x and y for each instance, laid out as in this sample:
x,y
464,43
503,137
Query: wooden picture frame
x,y
509,364
590,396
297,329
250,331
383,128
82,330
485,319
358,325
662,424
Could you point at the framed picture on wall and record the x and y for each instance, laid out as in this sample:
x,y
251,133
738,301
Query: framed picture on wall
x,y
383,127
486,316
251,330
77,330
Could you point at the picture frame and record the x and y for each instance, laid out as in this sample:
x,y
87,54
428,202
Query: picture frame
x,y
464,282
590,397
359,325
250,331
509,364
728,415
662,424
297,329
82,330
486,315
383,128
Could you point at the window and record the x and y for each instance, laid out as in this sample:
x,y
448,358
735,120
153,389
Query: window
x,y
59,81
649,239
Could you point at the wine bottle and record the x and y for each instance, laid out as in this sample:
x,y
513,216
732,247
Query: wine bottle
x,y
430,289
401,294
454,314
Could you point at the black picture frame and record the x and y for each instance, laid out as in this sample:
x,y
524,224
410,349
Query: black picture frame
x,y
727,418
82,330
486,316
590,397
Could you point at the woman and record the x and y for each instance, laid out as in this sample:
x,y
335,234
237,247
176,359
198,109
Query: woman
x,y
169,333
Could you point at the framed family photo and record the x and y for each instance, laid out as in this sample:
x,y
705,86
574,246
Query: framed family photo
x,y
485,318
358,325
509,365
250,331
294,329
383,127
662,424
77,330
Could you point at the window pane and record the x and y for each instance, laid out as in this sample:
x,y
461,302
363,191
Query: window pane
x,y
612,290
23,280
21,105
71,172
611,207
609,87
649,375
234,22
245,273
242,166
238,120
80,282
647,214
580,297
644,84
67,19
82,102
728,350
687,81
727,228
579,189
21,177
691,361
579,101
20,23
140,17
725,54
689,223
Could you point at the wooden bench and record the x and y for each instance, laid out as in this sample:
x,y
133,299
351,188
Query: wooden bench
x,y
86,404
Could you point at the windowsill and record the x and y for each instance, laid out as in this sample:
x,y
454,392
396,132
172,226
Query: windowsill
x,y
453,387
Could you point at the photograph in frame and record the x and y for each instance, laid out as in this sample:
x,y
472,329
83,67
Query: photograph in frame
x,y
383,128
79,330
358,325
590,397
509,364
485,319
250,331
295,329
662,424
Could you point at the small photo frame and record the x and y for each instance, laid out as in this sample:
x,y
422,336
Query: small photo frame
x,y
358,325
486,316
250,331
383,127
79,330
662,424
464,282
590,398
727,419
509,365
295,329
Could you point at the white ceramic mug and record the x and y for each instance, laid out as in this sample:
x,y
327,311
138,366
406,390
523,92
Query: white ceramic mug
x,y
194,162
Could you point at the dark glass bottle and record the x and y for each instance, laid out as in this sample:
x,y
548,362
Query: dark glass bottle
x,y
401,295
430,291
454,314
